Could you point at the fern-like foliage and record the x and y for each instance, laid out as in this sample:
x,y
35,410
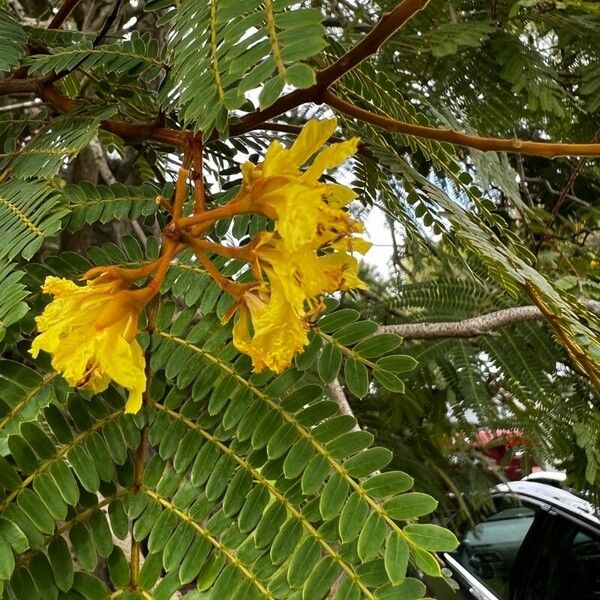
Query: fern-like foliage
x,y
255,484
12,296
12,42
234,484
515,377
216,60
43,155
87,203
27,213
139,56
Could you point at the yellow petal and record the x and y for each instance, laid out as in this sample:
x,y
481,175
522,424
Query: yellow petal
x,y
331,157
89,349
353,244
134,402
279,333
313,135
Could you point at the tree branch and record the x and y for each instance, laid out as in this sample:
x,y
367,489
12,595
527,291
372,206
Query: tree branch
x,y
63,13
337,393
450,136
481,325
129,131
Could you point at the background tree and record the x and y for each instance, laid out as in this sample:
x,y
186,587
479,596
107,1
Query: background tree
x,y
246,485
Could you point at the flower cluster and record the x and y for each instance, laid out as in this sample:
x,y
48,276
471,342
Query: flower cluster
x,y
90,331
309,252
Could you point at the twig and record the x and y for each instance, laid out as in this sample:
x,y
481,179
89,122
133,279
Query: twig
x,y
450,136
63,13
338,394
20,105
480,325
103,168
562,197
110,19
548,186
581,358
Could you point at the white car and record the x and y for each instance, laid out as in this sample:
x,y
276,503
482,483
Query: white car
x,y
540,543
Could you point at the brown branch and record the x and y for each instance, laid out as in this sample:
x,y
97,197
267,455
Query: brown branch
x,y
475,326
450,136
336,391
63,13
19,86
387,25
129,131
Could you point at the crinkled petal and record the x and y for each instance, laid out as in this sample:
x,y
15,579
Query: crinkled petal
x,y
313,135
331,157
86,351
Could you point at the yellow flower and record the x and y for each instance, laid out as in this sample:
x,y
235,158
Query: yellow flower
x,y
269,329
90,333
302,206
304,275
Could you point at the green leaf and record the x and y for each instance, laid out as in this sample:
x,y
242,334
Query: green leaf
x,y
90,587
83,546
303,561
388,484
371,537
389,381
118,568
396,557
397,363
330,362
337,319
297,458
10,532
376,345
7,560
367,462
320,580
427,562
410,505
285,541
350,334
352,517
431,537
348,590
301,75
356,376
61,562
270,91
333,496
409,589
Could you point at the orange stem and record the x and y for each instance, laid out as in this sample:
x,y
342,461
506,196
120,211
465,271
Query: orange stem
x,y
164,262
235,289
240,253
210,216
198,178
121,273
162,201
450,136
180,193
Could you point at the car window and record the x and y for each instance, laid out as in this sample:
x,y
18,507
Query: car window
x,y
568,565
489,549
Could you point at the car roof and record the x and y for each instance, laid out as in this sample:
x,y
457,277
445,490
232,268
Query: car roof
x,y
553,496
